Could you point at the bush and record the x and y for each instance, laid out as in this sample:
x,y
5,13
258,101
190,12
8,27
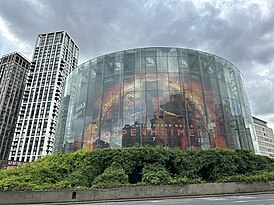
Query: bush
x,y
264,176
104,168
113,176
155,174
185,180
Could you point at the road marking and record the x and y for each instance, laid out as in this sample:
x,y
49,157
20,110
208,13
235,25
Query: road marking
x,y
239,201
242,197
215,198
228,198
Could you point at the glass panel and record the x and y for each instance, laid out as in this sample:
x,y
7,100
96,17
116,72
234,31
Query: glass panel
x,y
174,83
97,100
183,61
162,52
138,81
210,85
220,69
195,83
90,97
193,61
173,64
80,109
208,64
77,133
151,81
100,66
223,88
152,100
150,52
138,64
129,62
172,52
128,83
109,65
163,81
150,64
105,133
162,64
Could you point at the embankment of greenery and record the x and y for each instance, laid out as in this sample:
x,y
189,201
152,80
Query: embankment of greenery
x,y
106,168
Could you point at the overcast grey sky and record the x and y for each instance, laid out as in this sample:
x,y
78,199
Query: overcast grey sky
x,y
241,31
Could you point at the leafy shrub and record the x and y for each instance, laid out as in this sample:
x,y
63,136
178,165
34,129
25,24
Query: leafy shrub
x,y
113,176
263,176
77,179
155,174
138,166
185,180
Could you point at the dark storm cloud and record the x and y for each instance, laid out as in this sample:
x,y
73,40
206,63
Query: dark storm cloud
x,y
239,31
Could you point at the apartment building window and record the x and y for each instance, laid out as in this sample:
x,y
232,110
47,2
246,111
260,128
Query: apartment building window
x,y
49,39
42,40
44,127
30,146
50,93
47,110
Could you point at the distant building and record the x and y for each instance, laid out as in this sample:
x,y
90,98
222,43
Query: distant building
x,y
55,56
13,73
265,137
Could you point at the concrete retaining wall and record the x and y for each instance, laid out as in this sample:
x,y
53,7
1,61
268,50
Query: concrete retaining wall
x,y
28,197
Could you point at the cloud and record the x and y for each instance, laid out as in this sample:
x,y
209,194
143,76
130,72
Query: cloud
x,y
239,30
9,40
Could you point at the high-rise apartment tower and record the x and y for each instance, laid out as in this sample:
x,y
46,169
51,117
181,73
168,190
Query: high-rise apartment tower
x,y
13,73
265,137
55,56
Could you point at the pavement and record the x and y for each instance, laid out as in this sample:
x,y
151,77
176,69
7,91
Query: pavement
x,y
243,199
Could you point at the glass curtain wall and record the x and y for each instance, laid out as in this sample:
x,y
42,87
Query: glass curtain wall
x,y
171,97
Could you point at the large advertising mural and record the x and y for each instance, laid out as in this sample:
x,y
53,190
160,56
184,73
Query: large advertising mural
x,y
151,109
156,96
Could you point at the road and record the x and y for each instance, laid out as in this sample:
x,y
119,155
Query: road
x,y
258,199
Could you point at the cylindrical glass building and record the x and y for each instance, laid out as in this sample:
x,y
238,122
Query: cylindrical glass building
x,y
172,97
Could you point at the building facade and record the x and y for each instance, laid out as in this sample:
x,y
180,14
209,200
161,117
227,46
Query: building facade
x,y
13,73
55,56
265,137
171,97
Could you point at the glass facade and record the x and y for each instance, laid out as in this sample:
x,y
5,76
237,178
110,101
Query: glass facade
x,y
171,97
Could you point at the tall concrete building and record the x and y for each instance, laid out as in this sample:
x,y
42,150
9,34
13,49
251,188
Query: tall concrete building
x,y
55,56
265,137
13,73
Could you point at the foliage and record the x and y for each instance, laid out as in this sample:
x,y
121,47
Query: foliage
x,y
185,180
136,166
263,176
114,176
155,174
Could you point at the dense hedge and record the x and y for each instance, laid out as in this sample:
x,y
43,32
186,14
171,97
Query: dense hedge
x,y
103,168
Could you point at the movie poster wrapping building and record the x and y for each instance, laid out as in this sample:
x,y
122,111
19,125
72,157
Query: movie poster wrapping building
x,y
171,97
